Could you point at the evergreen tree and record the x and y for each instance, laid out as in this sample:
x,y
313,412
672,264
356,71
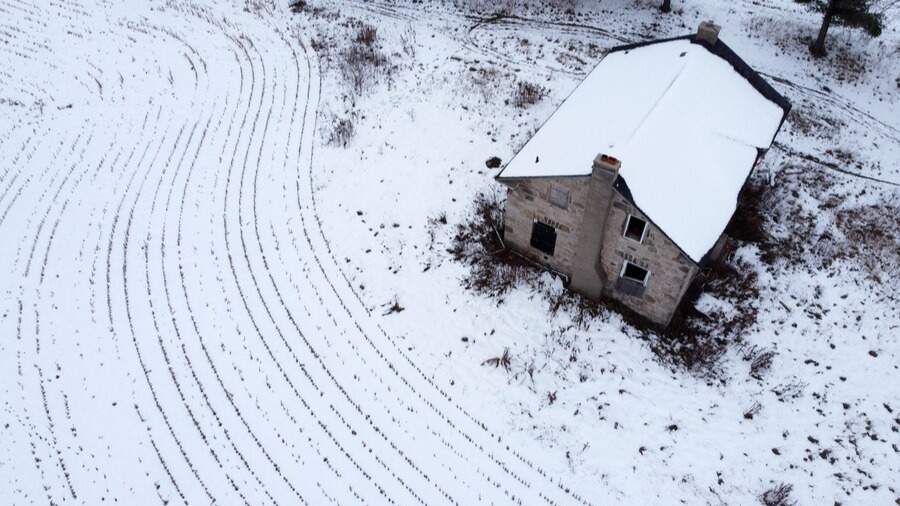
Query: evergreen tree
x,y
666,6
852,13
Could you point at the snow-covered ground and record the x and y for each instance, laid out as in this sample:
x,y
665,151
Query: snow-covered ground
x,y
196,304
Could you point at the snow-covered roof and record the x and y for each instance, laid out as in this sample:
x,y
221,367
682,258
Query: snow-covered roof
x,y
683,121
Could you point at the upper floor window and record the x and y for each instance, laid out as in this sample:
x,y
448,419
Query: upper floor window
x,y
635,228
559,196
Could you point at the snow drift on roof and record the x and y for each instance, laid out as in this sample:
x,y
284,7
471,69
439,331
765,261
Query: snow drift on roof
x,y
685,125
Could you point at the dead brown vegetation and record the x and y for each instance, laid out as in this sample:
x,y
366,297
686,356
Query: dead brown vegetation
x,y
478,243
528,93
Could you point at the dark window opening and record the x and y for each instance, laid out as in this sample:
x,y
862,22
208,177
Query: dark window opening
x,y
635,228
543,237
635,273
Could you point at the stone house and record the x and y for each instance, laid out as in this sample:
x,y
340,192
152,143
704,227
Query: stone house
x,y
627,188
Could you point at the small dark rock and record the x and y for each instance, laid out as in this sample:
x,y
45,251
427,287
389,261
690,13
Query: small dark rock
x,y
493,162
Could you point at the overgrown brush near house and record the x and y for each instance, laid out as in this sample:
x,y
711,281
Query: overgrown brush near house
x,y
694,341
478,243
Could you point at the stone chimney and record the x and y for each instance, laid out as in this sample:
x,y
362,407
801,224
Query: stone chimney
x,y
587,275
606,163
708,32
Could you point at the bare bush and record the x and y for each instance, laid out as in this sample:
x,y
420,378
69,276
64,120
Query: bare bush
x,y
359,65
366,35
502,361
696,341
342,131
779,495
478,242
393,307
360,62
760,361
408,41
527,94
752,411
484,81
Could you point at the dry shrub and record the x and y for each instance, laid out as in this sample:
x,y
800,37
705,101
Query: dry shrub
x,y
752,411
360,65
760,361
695,341
478,243
366,35
527,94
408,42
779,495
484,80
342,131
361,62
502,361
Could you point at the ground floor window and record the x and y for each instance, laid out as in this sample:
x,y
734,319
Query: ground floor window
x,y
632,280
635,273
543,237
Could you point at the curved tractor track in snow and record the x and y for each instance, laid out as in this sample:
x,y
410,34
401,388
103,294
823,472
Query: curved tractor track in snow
x,y
175,326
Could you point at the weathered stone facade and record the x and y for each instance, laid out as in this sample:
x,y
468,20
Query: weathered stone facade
x,y
671,271
528,200
591,246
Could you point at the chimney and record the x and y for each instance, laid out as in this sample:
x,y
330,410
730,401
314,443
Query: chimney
x,y
587,275
607,163
708,32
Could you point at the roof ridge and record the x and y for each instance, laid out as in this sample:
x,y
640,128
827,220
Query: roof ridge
x,y
656,103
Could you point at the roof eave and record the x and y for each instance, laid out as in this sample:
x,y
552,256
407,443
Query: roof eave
x,y
502,179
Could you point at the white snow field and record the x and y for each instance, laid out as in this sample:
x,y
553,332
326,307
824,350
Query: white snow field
x,y
174,327
197,281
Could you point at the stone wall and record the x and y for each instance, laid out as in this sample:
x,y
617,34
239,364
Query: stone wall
x,y
671,271
527,201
